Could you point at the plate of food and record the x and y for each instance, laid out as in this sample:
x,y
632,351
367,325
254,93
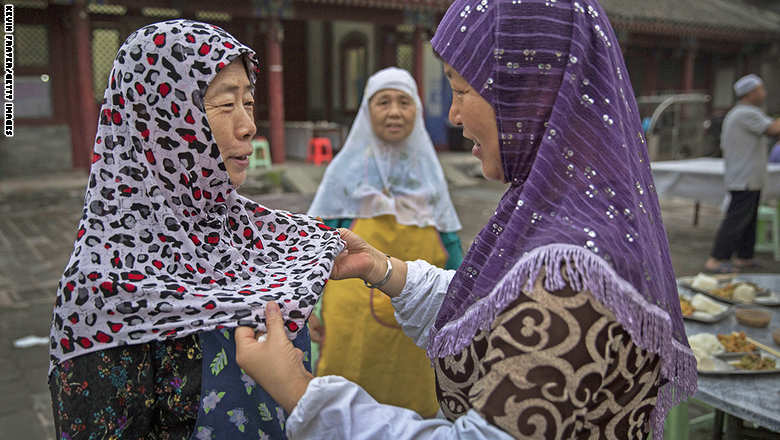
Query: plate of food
x,y
731,290
701,308
735,345
712,358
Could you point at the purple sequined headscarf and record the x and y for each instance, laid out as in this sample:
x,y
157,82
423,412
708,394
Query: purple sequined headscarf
x,y
581,198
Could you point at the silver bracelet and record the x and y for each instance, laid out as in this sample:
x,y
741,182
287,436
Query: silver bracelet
x,y
384,280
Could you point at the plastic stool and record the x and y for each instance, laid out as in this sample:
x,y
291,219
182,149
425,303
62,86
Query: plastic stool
x,y
261,156
767,227
319,151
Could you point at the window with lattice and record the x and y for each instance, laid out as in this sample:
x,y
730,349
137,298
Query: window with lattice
x,y
105,44
32,45
405,56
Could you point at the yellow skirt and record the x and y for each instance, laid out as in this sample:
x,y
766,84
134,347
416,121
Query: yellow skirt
x,y
363,342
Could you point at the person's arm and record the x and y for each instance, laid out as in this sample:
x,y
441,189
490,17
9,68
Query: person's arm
x,y
756,122
418,304
361,260
335,408
416,289
332,407
451,243
774,128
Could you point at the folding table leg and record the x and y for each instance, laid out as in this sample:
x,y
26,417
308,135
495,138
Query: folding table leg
x,y
717,425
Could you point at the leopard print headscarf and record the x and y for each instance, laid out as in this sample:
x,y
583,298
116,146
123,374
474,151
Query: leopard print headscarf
x,y
165,246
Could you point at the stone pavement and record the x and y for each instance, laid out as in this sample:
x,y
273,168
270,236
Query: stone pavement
x,y
38,218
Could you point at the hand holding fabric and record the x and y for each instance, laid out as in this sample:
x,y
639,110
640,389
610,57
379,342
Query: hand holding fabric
x,y
361,260
274,363
358,260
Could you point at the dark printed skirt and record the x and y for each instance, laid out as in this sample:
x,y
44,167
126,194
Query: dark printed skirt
x,y
146,391
188,388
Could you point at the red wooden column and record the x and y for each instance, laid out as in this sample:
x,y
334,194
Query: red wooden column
x,y
59,63
418,66
652,60
688,69
743,60
83,119
275,90
327,65
689,63
388,46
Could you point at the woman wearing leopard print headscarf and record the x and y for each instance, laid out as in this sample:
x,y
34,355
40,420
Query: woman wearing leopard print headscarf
x,y
169,259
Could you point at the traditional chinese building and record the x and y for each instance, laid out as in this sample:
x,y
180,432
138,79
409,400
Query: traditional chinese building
x,y
316,56
698,45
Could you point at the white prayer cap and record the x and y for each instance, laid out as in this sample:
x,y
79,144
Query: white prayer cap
x,y
747,84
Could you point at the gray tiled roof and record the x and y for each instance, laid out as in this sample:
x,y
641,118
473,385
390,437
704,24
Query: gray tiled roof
x,y
726,19
693,17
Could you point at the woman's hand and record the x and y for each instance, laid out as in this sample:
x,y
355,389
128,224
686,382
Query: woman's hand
x,y
274,363
358,260
361,260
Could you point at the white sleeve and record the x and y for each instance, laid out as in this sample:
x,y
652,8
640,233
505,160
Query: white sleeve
x,y
418,304
335,408
756,121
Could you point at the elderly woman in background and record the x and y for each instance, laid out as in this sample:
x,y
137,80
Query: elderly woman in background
x,y
387,186
169,258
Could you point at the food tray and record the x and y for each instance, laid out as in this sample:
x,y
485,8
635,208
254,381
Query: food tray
x,y
723,363
726,369
764,297
705,317
734,356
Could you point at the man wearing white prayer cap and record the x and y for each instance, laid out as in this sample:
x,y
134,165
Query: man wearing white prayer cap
x,y
745,153
747,84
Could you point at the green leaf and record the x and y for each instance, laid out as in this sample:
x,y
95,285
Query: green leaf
x,y
241,428
226,334
219,362
265,414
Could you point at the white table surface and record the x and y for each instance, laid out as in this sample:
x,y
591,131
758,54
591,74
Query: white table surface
x,y
702,179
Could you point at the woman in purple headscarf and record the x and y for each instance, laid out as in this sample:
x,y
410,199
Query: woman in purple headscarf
x,y
563,320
